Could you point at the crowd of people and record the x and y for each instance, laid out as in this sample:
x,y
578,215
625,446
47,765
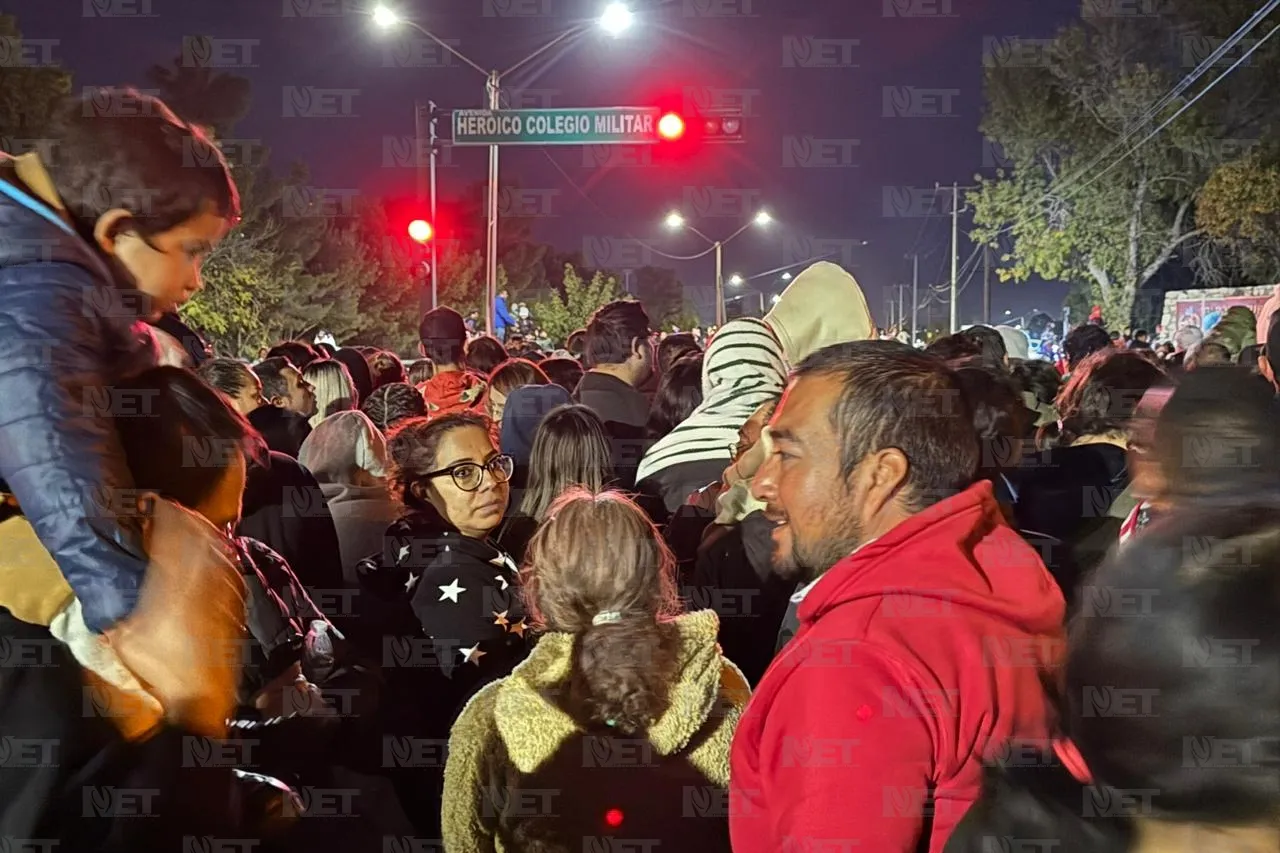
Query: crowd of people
x,y
789,588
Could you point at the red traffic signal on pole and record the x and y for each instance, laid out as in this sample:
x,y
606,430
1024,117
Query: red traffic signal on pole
x,y
670,126
420,230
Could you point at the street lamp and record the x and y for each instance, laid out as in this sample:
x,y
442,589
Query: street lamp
x,y
615,20
676,221
385,17
735,280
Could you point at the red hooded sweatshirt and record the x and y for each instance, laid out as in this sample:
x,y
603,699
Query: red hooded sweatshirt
x,y
916,656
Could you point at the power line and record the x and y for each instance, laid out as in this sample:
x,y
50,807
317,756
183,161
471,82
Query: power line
x,y
1188,105
1064,186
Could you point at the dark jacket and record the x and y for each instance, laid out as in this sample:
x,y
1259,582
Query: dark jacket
x,y
285,508
73,779
278,614
733,576
1070,499
612,399
444,615
283,430
68,330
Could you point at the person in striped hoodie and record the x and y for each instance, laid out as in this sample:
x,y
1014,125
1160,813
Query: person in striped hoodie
x,y
746,365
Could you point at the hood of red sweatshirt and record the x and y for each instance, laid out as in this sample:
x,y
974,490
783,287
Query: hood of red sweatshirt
x,y
957,555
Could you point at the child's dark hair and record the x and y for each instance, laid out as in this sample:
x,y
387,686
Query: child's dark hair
x,y
118,148
1182,623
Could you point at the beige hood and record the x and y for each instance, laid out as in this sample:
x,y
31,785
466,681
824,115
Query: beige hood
x,y
824,305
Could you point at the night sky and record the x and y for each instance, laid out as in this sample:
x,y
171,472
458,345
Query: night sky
x,y
833,155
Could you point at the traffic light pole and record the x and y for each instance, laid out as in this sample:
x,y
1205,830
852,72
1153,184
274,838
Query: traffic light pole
x,y
719,285
435,266
491,243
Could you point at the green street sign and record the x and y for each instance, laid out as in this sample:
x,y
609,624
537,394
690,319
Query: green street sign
x,y
584,126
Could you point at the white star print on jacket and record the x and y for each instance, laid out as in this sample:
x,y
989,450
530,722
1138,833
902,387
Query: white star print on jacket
x,y
451,591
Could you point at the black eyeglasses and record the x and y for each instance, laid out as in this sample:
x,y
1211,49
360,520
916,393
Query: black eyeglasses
x,y
469,475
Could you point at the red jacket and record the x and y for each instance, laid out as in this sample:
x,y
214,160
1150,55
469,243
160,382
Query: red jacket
x,y
915,657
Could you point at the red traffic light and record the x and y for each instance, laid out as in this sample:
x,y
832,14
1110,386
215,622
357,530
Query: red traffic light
x,y
420,230
671,126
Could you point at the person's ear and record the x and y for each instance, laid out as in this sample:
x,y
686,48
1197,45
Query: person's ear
x,y
884,475
109,227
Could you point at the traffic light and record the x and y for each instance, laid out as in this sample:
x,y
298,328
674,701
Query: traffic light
x,y
420,231
722,128
671,127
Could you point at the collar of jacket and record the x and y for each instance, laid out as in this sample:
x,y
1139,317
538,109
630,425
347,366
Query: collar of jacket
x,y
533,728
954,518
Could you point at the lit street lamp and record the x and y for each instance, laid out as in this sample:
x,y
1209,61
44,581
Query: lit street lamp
x,y
615,20
676,221
735,280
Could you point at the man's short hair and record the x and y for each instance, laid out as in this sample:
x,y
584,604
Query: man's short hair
x,y
443,334
612,332
1083,341
893,395
299,353
993,349
954,348
271,372
140,158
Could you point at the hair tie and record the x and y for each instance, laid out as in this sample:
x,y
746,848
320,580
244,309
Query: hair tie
x,y
606,617
1069,754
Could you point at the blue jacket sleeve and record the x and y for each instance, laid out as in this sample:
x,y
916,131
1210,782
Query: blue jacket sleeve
x,y
59,452
503,314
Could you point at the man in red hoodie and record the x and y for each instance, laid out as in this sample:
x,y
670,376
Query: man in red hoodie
x,y
926,625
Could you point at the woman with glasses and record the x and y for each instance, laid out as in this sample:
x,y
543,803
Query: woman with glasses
x,y
442,600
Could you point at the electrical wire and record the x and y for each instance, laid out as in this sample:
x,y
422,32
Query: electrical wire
x,y
1064,186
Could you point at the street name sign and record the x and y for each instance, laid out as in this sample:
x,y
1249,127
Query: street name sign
x,y
572,126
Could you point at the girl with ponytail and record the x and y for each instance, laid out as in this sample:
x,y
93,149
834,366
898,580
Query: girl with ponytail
x,y
1172,704
625,708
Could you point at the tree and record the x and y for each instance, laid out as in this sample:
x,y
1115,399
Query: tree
x,y
197,93
1056,115
284,272
1239,207
662,293
29,91
561,315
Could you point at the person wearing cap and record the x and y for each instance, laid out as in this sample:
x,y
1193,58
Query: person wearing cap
x,y
443,338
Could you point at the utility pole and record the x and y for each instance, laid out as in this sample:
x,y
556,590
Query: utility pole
x,y
955,253
986,285
902,315
915,295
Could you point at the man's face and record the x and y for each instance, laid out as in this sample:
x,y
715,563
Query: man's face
x,y
301,397
814,508
166,266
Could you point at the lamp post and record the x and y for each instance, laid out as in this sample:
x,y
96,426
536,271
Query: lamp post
x,y
615,20
676,221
